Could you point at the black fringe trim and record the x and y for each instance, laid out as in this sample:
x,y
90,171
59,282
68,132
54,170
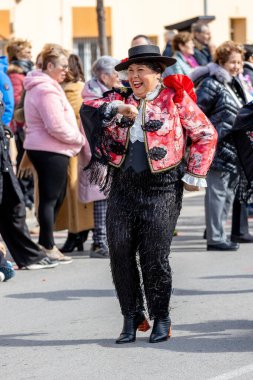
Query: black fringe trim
x,y
152,126
157,153
125,122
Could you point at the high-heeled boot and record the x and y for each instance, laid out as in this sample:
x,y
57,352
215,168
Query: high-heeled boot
x,y
130,325
73,241
161,330
84,235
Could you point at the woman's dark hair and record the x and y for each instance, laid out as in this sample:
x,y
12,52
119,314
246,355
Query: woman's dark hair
x,y
248,51
155,66
75,71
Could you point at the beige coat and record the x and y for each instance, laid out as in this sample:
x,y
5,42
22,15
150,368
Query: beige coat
x,y
74,215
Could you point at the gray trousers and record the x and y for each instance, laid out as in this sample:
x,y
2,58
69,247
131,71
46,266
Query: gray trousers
x,y
218,201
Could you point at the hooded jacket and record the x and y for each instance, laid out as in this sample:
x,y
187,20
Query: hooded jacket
x,y
50,119
7,91
221,105
93,89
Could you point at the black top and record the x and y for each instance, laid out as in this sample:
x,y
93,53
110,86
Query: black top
x,y
136,157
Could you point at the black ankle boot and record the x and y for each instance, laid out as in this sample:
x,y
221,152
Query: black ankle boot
x,y
84,235
131,324
73,241
161,330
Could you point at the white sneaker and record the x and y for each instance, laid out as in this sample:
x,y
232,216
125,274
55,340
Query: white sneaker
x,y
45,263
2,277
55,254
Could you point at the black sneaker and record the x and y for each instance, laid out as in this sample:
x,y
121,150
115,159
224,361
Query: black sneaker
x,y
246,238
226,246
44,263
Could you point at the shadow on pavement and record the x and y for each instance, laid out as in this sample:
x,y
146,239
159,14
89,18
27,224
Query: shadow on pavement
x,y
210,337
68,295
190,292
65,295
216,326
227,276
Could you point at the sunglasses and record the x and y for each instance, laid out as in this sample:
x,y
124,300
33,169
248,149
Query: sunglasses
x,y
63,67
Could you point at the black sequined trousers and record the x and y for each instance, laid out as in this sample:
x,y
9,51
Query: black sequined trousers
x,y
143,209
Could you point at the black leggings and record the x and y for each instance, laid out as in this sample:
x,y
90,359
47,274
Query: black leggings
x,y
51,169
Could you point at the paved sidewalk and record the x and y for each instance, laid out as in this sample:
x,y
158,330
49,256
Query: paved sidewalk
x,y
61,323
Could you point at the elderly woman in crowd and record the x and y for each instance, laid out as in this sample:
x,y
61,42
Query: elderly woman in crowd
x,y
183,47
140,132
105,77
220,95
52,137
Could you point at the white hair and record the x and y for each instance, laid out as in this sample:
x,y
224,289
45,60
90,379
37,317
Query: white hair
x,y
103,65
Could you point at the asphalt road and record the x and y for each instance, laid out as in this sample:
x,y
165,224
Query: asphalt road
x,y
61,323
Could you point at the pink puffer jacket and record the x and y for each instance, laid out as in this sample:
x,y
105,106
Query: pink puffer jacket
x,y
50,119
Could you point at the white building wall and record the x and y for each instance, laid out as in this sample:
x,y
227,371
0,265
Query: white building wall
x,y
43,21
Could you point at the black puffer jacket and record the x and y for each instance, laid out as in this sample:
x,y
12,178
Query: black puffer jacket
x,y
5,163
220,104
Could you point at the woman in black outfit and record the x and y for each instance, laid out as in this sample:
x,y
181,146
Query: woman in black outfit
x,y
220,95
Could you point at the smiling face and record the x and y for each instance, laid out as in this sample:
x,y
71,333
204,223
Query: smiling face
x,y
233,64
142,79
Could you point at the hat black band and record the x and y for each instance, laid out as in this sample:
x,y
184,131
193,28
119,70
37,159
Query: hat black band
x,y
144,55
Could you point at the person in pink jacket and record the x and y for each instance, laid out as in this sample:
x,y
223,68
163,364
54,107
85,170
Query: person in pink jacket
x,y
52,137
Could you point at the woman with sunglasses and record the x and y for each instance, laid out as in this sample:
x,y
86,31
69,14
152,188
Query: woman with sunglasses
x,y
52,137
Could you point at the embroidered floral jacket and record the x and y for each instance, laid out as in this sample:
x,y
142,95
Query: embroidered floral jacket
x,y
167,120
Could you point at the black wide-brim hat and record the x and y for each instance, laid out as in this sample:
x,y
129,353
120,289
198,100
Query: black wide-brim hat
x,y
145,53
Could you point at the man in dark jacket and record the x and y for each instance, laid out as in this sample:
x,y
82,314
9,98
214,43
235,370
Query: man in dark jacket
x,y
168,37
201,38
13,226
